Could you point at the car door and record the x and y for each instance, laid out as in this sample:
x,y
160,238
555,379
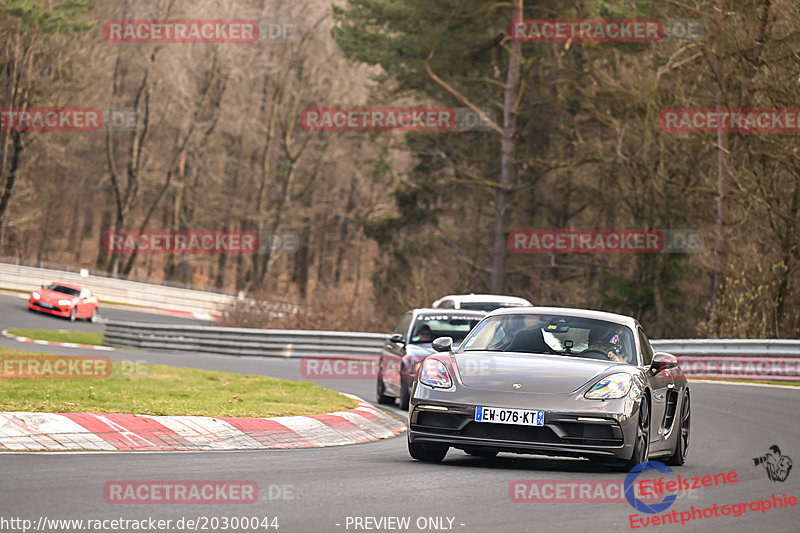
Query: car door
x,y
392,355
660,385
83,308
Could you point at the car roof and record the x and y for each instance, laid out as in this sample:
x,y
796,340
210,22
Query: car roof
x,y
68,285
439,311
571,312
488,298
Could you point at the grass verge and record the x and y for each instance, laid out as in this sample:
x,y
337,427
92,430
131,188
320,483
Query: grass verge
x,y
60,335
140,388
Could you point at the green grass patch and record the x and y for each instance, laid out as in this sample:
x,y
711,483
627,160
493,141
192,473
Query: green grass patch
x,y
60,335
764,381
140,388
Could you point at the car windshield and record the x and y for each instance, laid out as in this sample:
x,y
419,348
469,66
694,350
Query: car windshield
x,y
483,306
429,327
66,290
554,334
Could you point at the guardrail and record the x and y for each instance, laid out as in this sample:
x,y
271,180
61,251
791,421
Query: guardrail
x,y
729,347
123,291
243,341
719,358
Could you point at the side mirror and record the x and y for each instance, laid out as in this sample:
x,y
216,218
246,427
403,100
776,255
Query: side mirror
x,y
396,338
663,361
443,344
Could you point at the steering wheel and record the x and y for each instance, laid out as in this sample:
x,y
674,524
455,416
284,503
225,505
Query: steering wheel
x,y
596,354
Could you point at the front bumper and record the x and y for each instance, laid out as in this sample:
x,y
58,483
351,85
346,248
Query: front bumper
x,y
36,305
600,435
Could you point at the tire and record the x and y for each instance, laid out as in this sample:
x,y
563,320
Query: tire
x,y
482,453
382,398
427,453
405,396
73,314
93,318
641,446
684,425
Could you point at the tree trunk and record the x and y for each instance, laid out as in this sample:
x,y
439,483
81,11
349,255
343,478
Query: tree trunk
x,y
715,280
507,143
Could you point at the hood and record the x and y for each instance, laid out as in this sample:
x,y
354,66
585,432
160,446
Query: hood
x,y
419,350
537,374
54,295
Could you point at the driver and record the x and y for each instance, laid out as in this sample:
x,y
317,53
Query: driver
x,y
424,334
606,341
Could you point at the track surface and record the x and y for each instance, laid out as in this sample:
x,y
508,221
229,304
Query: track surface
x,y
14,313
321,488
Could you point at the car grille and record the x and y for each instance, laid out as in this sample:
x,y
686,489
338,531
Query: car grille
x,y
562,431
53,307
480,430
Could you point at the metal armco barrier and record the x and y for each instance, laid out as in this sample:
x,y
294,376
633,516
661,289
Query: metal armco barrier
x,y
729,347
742,358
117,290
777,368
243,341
773,359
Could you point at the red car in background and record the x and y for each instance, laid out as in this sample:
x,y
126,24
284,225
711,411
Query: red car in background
x,y
65,300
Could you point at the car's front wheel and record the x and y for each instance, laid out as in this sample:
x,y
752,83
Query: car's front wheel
x,y
73,314
641,445
427,452
682,444
405,395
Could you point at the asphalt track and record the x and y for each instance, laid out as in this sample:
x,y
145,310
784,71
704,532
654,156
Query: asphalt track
x,y
325,489
14,313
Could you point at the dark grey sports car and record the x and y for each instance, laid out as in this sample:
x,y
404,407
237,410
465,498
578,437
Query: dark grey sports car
x,y
551,381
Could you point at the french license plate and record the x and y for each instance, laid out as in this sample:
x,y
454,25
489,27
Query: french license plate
x,y
46,306
520,417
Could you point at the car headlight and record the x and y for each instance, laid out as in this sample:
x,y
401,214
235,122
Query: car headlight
x,y
65,302
610,387
434,374
35,295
